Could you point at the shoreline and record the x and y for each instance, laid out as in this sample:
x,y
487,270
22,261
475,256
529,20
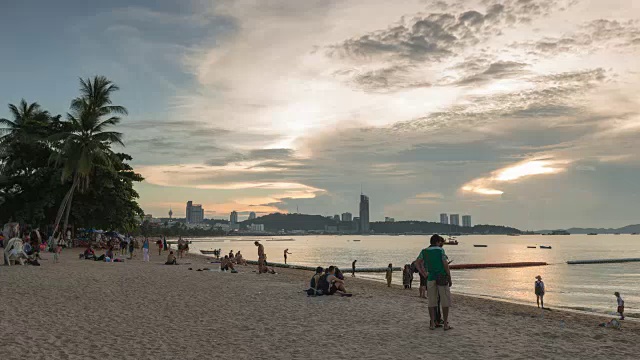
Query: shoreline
x,y
302,268
141,310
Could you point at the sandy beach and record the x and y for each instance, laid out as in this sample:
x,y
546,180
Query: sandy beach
x,y
80,309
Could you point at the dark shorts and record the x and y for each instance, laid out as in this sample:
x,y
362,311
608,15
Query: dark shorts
x,y
423,281
333,289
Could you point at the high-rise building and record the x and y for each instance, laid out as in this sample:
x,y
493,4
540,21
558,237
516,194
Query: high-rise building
x,y
233,218
389,219
466,220
454,219
252,215
336,217
364,214
356,224
194,213
347,216
170,213
444,218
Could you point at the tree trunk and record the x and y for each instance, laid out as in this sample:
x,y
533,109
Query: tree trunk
x,y
65,205
66,216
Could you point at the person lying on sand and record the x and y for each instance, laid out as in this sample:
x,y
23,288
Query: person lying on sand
x,y
171,259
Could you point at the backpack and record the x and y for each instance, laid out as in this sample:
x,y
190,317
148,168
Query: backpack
x,y
538,288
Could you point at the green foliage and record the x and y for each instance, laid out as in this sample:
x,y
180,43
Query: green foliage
x,y
80,147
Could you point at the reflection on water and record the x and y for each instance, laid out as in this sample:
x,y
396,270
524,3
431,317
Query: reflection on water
x,y
572,286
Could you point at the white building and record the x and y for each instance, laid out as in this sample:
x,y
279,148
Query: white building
x,y
466,220
454,219
444,218
257,227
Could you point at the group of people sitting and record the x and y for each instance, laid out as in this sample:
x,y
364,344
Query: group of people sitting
x,y
108,256
327,281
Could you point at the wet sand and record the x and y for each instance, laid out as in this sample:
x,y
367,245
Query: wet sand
x,y
80,309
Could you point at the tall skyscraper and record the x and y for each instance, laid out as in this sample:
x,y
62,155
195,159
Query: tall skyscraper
x,y
347,216
454,219
194,213
364,214
233,218
170,213
466,220
444,218
252,215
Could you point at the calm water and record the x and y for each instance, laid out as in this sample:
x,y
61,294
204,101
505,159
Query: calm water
x,y
582,287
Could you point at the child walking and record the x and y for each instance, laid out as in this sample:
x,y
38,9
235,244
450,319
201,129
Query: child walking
x,y
620,305
389,274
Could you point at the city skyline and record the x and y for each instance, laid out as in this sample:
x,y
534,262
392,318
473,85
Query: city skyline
x,y
523,113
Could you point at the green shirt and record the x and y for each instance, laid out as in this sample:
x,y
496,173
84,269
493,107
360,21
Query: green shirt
x,y
433,257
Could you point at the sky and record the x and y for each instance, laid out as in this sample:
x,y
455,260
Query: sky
x,y
518,112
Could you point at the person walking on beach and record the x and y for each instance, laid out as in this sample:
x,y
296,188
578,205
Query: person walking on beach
x,y
407,276
131,248
389,274
159,243
164,243
261,257
620,305
539,290
353,268
433,264
145,249
286,251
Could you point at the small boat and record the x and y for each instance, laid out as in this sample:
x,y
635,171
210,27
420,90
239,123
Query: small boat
x,y
479,245
513,234
545,247
280,240
531,247
592,234
207,252
451,242
356,240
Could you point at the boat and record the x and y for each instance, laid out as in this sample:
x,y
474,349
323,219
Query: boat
x,y
513,234
451,242
356,240
207,252
531,247
545,247
280,240
479,245
592,234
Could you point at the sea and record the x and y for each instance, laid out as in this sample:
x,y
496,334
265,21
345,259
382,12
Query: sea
x,y
587,288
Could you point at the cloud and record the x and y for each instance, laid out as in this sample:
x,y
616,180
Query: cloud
x,y
495,71
254,155
486,185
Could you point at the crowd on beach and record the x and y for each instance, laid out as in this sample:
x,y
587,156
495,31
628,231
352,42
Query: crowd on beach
x,y
25,247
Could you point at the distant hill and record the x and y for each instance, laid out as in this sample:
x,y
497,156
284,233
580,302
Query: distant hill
x,y
629,229
288,222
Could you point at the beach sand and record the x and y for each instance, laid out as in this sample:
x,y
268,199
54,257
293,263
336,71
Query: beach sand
x,y
81,309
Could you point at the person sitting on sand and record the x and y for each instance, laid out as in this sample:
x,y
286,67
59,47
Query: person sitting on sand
x,y
620,305
226,264
315,283
89,254
109,252
171,259
339,274
239,259
335,283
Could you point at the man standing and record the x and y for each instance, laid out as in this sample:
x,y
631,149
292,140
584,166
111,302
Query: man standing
x,y
353,268
286,251
260,257
432,263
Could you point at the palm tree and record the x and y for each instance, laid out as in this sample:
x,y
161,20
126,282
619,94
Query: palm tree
x,y
29,126
87,143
